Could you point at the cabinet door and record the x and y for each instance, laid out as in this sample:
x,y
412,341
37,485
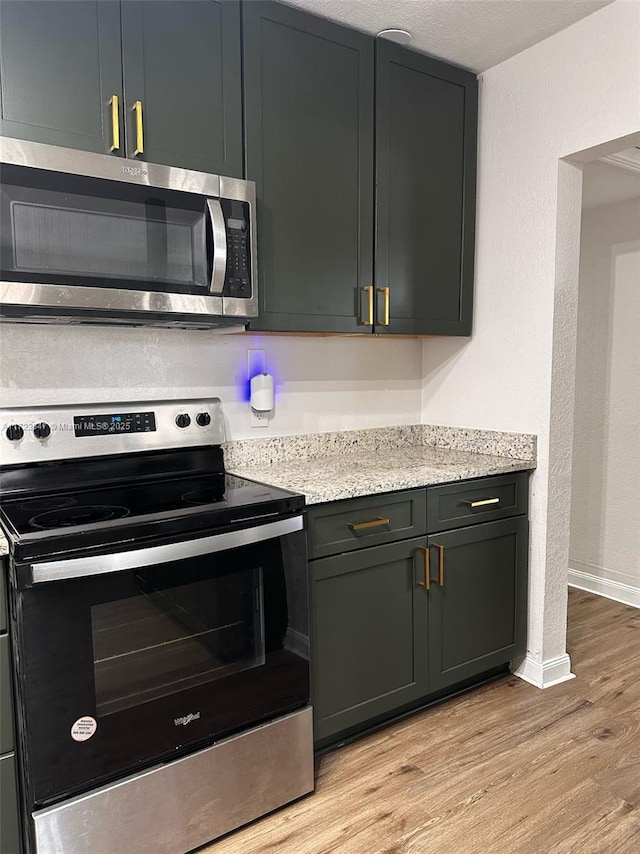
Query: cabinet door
x,y
477,617
309,146
426,118
9,814
181,60
369,635
6,699
60,64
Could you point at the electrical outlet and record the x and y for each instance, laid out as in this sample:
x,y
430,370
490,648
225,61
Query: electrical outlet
x,y
259,419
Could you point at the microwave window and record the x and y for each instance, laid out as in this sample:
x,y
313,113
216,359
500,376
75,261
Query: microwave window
x,y
168,639
147,239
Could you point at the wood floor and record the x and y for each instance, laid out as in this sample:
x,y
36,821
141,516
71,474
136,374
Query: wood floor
x,y
507,768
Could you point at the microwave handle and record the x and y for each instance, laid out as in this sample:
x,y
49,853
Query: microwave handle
x,y
219,232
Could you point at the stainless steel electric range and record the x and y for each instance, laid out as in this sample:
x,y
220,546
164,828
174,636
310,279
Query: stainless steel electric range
x,y
159,629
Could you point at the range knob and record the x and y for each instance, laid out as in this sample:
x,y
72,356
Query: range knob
x,y
42,430
14,432
203,419
183,420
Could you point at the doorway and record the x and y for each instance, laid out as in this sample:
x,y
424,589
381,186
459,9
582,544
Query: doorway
x,y
604,549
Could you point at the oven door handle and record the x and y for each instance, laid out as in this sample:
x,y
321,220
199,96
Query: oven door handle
x,y
83,567
219,248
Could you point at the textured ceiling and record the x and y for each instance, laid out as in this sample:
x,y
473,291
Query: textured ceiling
x,y
476,34
604,184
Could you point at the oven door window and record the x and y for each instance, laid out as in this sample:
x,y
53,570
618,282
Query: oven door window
x,y
74,230
168,638
157,661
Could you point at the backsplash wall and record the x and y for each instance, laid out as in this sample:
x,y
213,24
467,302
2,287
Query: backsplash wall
x,y
322,383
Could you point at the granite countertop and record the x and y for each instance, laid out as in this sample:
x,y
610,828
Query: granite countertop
x,y
350,463
367,473
329,467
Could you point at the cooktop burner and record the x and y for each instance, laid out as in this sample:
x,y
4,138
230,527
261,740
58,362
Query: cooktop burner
x,y
49,503
203,496
66,517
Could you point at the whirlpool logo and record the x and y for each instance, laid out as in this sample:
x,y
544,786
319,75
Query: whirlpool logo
x,y
187,719
134,170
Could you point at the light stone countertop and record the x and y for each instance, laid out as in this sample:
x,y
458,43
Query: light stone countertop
x,y
366,472
350,463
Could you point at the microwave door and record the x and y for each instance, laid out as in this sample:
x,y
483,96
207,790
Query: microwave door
x,y
218,233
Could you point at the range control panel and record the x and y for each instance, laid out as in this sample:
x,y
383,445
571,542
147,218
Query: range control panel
x,y
113,425
69,432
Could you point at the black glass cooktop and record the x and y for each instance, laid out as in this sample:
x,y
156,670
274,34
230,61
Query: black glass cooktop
x,y
215,493
93,505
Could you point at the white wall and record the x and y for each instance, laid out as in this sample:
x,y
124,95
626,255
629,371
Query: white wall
x,y
322,384
604,551
576,90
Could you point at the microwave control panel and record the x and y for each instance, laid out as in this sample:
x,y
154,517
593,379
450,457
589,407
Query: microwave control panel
x,y
238,276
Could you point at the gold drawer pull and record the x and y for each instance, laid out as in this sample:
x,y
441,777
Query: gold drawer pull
x,y
482,502
361,526
115,123
137,109
440,564
385,293
427,578
368,289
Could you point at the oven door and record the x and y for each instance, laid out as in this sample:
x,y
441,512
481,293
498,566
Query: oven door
x,y
124,669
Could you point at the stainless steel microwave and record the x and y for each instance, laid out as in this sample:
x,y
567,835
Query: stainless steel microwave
x,y
92,238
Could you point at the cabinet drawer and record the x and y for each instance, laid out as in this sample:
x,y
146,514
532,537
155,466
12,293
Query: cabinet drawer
x,y
454,505
6,706
355,523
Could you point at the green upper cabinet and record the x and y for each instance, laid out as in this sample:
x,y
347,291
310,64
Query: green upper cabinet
x,y
182,83
60,65
309,146
310,91
426,119
173,66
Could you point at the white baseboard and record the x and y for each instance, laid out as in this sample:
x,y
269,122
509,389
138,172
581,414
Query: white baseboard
x,y
625,593
545,674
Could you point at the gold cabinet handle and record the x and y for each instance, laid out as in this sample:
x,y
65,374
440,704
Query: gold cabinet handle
x,y
482,502
440,562
385,292
427,578
368,289
115,123
374,523
137,109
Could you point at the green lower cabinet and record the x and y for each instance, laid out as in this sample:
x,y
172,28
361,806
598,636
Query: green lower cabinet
x,y
369,651
9,821
6,702
477,617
